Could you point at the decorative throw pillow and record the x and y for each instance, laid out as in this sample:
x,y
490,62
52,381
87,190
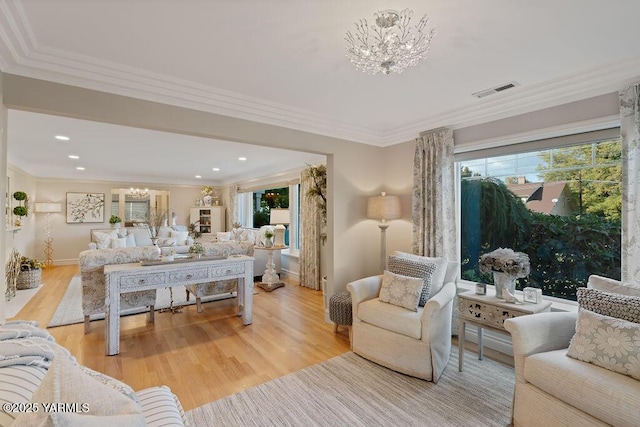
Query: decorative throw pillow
x,y
167,241
103,238
180,236
608,342
437,280
120,242
131,240
609,304
412,268
607,284
223,236
402,291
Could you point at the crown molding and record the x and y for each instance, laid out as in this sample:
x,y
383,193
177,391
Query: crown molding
x,y
20,54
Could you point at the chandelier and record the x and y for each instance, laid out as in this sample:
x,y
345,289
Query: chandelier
x,y
390,44
138,193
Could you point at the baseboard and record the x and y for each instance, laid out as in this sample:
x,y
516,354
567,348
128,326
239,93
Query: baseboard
x,y
495,341
71,261
290,275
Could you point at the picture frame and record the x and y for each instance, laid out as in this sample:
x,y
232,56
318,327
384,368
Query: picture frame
x,y
85,208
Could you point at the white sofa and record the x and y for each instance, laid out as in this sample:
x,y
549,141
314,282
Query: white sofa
x,y
37,370
553,389
174,238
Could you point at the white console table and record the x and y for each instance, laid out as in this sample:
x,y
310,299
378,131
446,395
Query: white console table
x,y
121,278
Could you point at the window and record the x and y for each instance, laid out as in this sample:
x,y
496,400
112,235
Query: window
x,y
560,204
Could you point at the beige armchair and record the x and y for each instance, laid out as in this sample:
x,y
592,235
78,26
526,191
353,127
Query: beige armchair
x,y
92,264
413,343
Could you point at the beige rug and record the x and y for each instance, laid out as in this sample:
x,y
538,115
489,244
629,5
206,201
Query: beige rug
x,y
351,391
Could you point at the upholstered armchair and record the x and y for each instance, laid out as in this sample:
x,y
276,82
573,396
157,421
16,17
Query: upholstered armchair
x,y
416,343
219,287
92,264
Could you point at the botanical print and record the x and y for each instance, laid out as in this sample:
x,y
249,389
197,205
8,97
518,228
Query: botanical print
x,y
85,207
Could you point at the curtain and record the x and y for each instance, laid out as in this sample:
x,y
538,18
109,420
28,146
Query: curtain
x,y
310,240
233,205
433,202
630,132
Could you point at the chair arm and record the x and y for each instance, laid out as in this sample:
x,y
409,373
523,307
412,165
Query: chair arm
x,y
364,289
439,300
539,333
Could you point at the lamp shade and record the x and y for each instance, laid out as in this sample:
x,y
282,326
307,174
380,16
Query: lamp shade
x,y
279,216
48,207
383,207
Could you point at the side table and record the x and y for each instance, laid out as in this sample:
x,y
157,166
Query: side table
x,y
270,278
487,311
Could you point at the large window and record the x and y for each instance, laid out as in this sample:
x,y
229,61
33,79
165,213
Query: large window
x,y
561,206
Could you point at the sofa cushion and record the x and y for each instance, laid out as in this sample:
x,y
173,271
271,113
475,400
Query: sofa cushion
x,y
120,242
103,238
161,407
142,236
437,280
17,385
607,342
611,285
131,240
414,268
391,317
603,394
610,304
180,236
98,404
402,291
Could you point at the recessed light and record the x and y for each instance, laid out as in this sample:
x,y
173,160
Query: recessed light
x,y
242,159
198,176
216,169
80,168
62,138
73,156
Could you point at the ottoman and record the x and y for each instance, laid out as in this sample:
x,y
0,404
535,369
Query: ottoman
x,y
340,310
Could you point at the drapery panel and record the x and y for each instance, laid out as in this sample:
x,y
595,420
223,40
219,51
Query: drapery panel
x,y
434,192
310,235
630,133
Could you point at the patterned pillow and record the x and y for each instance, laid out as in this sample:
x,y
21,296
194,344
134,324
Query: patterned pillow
x,y
607,342
412,268
400,290
103,239
610,304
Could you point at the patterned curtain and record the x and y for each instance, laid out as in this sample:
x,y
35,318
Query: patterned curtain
x,y
310,230
630,132
233,204
434,189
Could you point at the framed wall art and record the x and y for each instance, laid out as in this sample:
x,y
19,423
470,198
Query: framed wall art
x,y
85,207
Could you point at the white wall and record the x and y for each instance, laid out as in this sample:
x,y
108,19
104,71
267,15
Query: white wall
x,y
23,239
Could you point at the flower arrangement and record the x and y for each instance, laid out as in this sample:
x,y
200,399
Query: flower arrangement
x,y
207,190
505,260
197,249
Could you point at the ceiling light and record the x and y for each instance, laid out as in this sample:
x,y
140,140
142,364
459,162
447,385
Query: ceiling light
x,y
242,159
80,168
217,169
62,138
198,176
73,156
390,44
138,193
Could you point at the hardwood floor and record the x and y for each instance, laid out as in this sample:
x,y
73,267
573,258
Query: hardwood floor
x,y
200,356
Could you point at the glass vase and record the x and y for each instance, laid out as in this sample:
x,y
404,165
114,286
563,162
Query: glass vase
x,y
505,284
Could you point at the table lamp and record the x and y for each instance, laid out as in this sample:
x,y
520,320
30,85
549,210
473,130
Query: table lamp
x,y
279,217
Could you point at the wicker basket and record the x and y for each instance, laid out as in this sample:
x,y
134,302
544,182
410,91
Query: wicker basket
x,y
29,279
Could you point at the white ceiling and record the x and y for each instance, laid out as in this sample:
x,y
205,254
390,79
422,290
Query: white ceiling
x,y
283,62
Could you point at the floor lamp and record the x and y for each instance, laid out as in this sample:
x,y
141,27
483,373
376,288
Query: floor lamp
x,y
48,208
383,207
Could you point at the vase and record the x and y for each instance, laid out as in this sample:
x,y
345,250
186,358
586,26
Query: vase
x,y
505,284
207,200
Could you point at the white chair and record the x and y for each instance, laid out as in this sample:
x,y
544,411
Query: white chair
x,y
413,343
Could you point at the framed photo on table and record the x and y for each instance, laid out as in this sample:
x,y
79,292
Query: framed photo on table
x,y
85,207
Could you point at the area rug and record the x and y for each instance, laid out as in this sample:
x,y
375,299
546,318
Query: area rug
x,y
17,303
348,390
69,310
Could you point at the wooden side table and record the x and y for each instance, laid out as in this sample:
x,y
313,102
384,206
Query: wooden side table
x,y
487,311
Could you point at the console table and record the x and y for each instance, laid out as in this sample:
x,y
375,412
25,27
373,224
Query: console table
x,y
122,278
487,311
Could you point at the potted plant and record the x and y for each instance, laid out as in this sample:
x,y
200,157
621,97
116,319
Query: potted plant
x,y
268,238
197,249
22,209
115,221
30,273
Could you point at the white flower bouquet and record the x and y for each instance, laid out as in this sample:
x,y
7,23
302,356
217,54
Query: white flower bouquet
x,y
505,260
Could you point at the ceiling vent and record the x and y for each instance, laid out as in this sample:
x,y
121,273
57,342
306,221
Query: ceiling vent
x,y
496,89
